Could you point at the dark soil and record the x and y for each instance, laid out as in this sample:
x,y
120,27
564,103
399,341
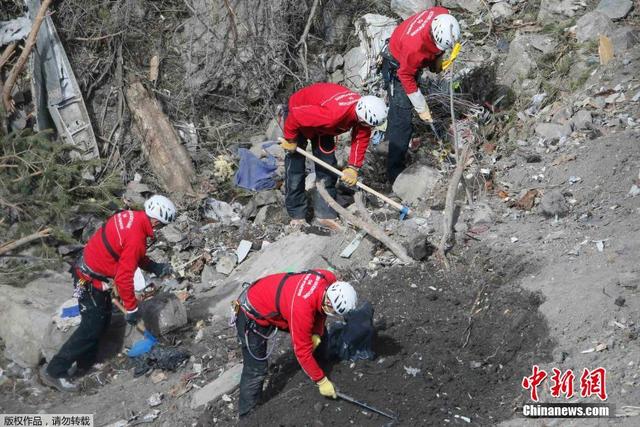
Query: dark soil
x,y
470,368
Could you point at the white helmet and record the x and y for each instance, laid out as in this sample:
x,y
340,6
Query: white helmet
x,y
160,208
445,30
342,296
371,110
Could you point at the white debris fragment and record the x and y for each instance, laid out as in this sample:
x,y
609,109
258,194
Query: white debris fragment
x,y
463,418
514,239
155,399
599,245
226,398
412,371
574,179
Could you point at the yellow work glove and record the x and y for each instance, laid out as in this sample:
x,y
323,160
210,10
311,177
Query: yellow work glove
x,y
454,53
316,340
287,145
326,388
350,175
426,115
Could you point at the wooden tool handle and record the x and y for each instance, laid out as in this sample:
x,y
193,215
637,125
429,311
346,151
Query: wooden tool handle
x,y
118,304
359,184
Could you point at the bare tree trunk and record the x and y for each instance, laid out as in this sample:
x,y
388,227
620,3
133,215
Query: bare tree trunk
x,y
168,158
8,247
450,205
370,228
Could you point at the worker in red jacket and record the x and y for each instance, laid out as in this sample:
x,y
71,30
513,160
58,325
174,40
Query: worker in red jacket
x,y
295,302
319,113
417,43
112,254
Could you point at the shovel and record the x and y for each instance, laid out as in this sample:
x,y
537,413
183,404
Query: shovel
x,y
404,210
145,344
364,405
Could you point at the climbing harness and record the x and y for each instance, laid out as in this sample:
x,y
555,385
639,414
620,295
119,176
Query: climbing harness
x,y
243,303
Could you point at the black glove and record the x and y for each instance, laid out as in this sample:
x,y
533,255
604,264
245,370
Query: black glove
x,y
160,268
131,317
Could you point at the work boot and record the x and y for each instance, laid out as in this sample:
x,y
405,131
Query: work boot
x,y
331,224
61,384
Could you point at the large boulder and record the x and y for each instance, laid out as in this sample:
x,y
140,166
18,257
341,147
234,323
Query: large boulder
x,y
416,182
558,10
592,25
406,8
224,48
26,315
163,313
355,68
524,51
624,38
473,6
615,9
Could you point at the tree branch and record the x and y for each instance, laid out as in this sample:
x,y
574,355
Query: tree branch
x,y
371,229
7,247
28,46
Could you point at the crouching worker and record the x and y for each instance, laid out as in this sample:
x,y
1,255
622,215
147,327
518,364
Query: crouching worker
x,y
295,302
113,253
319,113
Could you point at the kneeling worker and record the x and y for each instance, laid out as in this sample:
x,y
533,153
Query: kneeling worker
x,y
295,302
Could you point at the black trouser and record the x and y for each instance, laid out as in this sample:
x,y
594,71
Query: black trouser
x,y
399,128
82,345
253,371
294,165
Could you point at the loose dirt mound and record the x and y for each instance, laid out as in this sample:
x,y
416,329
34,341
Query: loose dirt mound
x,y
470,368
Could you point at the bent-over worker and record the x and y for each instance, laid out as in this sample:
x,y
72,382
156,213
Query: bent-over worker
x,y
295,302
319,113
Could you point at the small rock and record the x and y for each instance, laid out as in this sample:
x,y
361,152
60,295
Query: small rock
x,y
501,10
483,214
226,263
635,191
171,234
615,9
406,8
620,301
514,239
318,407
553,131
210,277
553,203
582,120
416,182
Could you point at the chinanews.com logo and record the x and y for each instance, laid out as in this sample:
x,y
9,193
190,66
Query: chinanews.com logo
x,y
592,383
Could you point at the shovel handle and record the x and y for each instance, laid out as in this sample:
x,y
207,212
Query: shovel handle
x,y
359,184
118,304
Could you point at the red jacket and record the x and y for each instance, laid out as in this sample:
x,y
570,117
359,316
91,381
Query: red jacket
x,y
412,45
300,311
127,233
327,109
